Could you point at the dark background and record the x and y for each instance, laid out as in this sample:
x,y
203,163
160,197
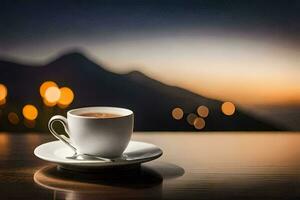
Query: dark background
x,y
139,55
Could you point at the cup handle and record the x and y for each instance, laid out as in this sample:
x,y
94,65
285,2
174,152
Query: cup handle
x,y
63,138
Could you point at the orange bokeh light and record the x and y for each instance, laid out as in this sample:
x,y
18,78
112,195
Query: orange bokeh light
x,y
66,97
203,111
228,108
48,103
52,94
62,106
191,118
13,118
199,123
29,123
30,112
3,92
45,86
177,113
2,102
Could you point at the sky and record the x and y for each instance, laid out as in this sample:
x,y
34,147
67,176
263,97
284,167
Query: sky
x,y
247,52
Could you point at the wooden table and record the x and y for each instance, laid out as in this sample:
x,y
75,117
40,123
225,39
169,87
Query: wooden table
x,y
232,165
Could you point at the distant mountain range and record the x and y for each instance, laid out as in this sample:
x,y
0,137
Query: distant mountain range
x,y
151,100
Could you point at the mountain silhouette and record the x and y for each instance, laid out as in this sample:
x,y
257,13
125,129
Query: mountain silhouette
x,y
152,101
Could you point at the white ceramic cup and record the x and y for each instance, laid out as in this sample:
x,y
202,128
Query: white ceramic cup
x,y
105,137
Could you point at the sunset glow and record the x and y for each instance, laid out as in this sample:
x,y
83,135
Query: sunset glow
x,y
236,68
247,71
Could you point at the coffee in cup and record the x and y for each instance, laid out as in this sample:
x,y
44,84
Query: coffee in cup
x,y
100,115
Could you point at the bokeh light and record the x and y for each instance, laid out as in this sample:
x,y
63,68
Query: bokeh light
x,y
191,118
62,106
29,123
30,112
228,108
199,123
13,118
177,113
203,111
3,92
52,94
2,102
48,103
45,86
66,97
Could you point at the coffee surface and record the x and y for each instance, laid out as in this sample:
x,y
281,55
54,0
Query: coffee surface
x,y
100,115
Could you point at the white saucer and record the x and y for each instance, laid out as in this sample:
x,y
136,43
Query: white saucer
x,y
136,153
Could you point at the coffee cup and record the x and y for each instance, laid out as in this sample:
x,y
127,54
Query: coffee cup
x,y
98,131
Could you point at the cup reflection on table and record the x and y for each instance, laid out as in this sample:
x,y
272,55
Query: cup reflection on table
x,y
139,182
136,181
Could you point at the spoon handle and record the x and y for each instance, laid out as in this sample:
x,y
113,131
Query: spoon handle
x,y
89,157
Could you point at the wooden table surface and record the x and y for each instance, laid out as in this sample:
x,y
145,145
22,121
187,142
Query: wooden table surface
x,y
230,165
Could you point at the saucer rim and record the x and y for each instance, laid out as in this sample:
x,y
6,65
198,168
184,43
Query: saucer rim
x,y
95,163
